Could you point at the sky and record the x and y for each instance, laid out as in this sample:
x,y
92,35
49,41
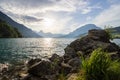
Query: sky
x,y
62,16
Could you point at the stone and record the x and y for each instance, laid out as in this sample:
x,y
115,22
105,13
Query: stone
x,y
56,59
43,68
100,35
32,62
69,54
5,78
75,63
95,39
65,68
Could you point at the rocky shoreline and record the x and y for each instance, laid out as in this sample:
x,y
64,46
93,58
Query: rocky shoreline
x,y
69,63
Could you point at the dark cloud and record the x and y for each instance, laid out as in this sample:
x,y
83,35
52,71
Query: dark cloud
x,y
28,3
31,19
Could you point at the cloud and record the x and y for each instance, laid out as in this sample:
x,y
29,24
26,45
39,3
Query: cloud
x,y
114,1
35,6
88,18
31,19
109,16
86,10
60,13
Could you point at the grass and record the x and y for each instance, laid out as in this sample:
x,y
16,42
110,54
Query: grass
x,y
99,66
62,77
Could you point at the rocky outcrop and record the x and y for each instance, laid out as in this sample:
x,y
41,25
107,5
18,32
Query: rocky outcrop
x,y
95,39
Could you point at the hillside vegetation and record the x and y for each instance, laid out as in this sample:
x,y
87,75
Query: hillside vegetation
x,y
7,31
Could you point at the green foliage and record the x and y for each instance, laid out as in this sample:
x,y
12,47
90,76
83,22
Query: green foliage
x,y
109,31
114,71
96,66
62,76
6,31
99,67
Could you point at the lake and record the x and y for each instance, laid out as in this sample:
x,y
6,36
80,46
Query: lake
x,y
19,49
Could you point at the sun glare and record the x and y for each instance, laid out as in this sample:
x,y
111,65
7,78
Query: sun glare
x,y
48,22
48,42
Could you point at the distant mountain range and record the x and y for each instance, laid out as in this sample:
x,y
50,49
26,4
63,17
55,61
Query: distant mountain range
x,y
49,34
81,31
76,33
116,32
26,32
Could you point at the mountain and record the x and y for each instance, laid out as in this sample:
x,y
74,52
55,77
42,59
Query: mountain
x,y
49,35
7,31
26,32
83,30
116,32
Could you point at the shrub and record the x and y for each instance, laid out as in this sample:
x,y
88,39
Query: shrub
x,y
96,66
99,66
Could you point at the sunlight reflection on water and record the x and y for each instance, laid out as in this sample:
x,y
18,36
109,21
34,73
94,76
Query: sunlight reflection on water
x,y
25,48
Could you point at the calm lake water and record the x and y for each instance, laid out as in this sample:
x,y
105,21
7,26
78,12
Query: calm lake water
x,y
19,49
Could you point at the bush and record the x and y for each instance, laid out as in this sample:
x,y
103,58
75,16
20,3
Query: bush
x,y
99,67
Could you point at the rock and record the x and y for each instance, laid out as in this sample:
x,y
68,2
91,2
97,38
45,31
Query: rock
x,y
32,62
69,54
114,56
100,35
46,77
5,78
56,59
73,76
65,68
43,68
112,47
70,51
75,63
31,77
95,39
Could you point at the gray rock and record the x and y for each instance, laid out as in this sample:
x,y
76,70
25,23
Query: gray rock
x,y
75,63
43,68
65,68
95,39
99,35
32,62
56,59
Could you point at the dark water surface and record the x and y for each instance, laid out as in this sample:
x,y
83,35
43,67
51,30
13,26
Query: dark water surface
x,y
13,50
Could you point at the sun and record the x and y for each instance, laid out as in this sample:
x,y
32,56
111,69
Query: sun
x,y
48,22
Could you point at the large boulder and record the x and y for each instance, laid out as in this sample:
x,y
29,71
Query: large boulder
x,y
56,59
75,63
100,35
43,68
33,61
95,39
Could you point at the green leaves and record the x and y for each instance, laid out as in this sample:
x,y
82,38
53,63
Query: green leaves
x,y
99,66
7,31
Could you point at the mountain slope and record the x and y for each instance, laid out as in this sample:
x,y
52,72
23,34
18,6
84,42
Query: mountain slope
x,y
7,31
49,35
116,32
82,30
26,32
